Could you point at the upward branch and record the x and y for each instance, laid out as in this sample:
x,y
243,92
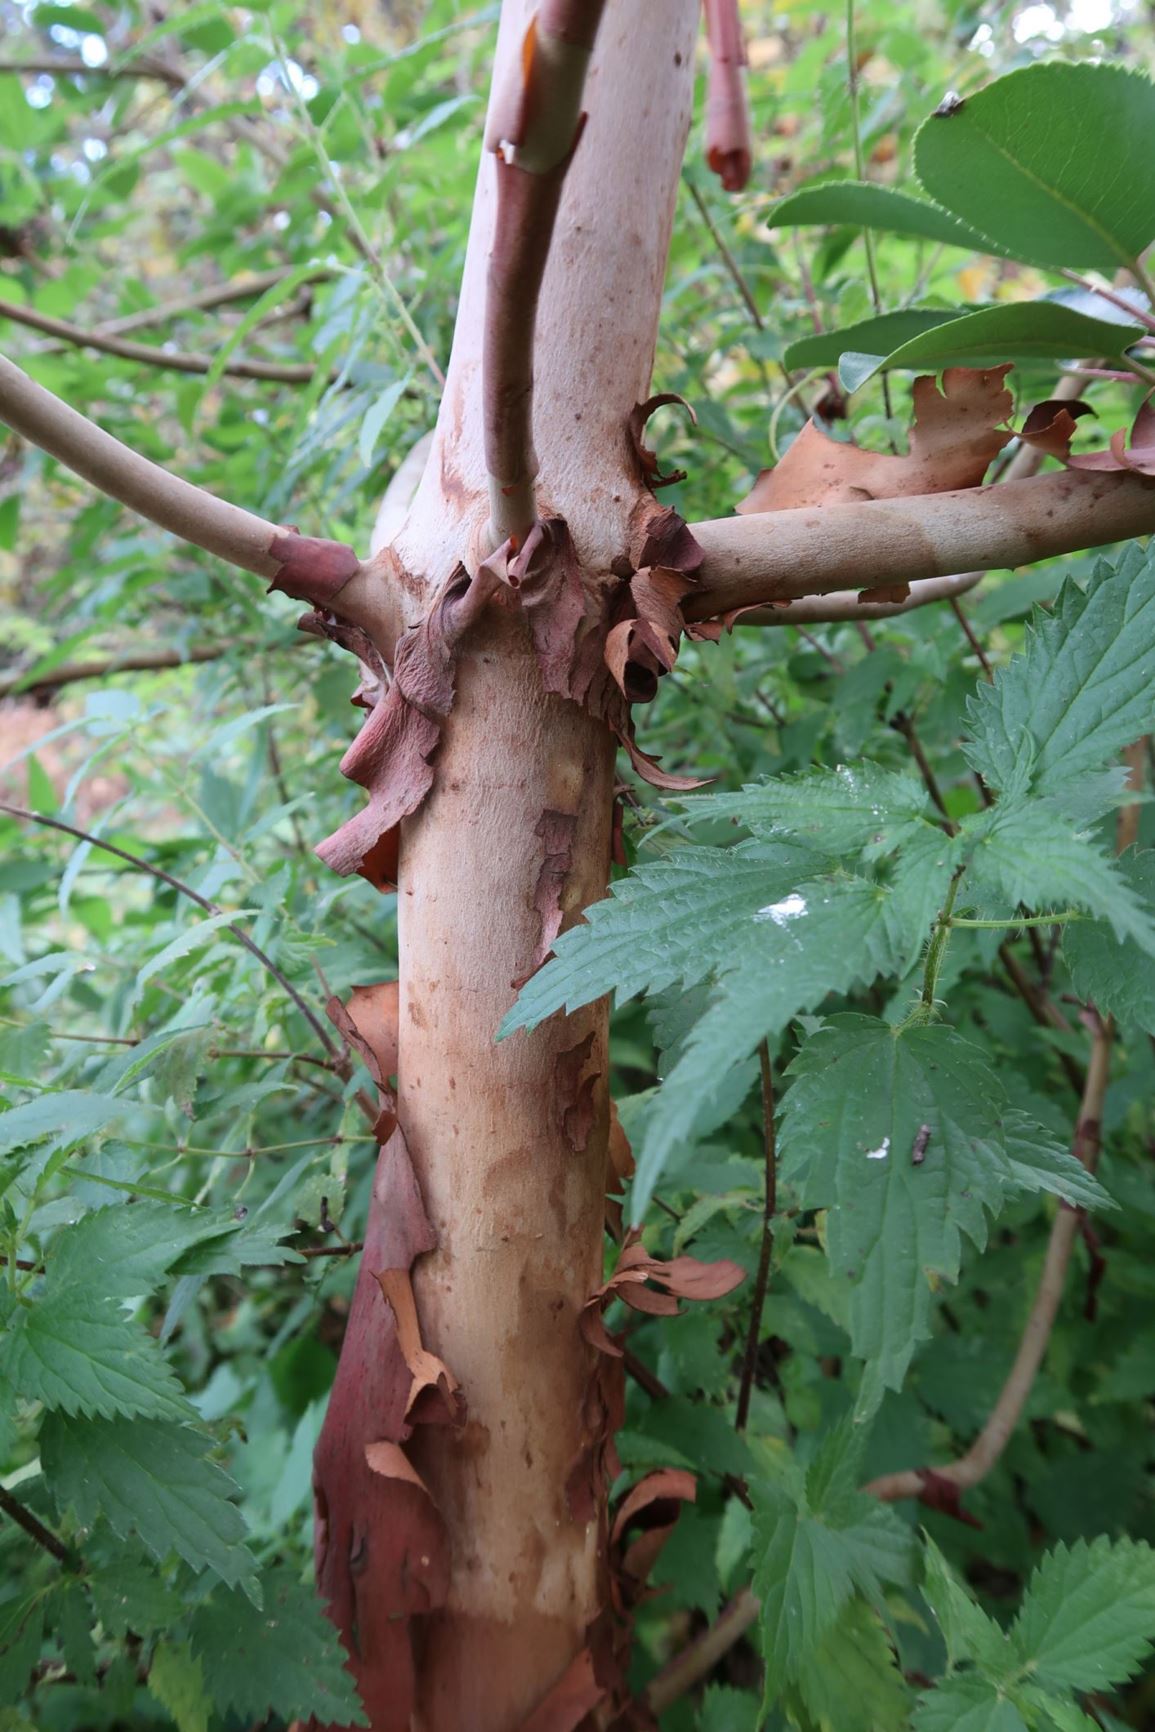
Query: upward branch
x,y
533,132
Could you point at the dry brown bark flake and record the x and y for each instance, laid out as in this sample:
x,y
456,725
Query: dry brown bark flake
x,y
649,470
1051,426
679,1278
556,831
956,433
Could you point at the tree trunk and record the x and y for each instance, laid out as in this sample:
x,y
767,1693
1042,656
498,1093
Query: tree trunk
x,y
508,1142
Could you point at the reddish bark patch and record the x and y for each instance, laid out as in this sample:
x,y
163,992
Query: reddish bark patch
x,y
556,831
576,1693
729,150
649,469
942,1494
311,569
680,1278
368,1025
576,1103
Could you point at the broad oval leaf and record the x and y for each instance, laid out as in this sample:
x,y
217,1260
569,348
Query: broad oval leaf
x,y
879,207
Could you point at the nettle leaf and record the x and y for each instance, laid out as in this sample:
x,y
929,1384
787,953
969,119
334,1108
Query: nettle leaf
x,y
1029,853
151,1480
68,1116
176,1678
966,1704
1088,1620
820,938
1106,969
1081,689
966,1629
1053,161
1038,1163
861,1093
816,1543
852,1682
125,1248
868,206
668,922
835,812
79,1353
283,1659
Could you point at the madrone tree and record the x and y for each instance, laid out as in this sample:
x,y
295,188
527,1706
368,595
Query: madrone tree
x,y
511,619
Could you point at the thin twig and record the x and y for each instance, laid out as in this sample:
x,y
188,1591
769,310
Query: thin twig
x,y
237,932
132,661
36,1530
726,256
170,360
969,632
696,1662
981,1457
769,1204
848,604
71,65
204,300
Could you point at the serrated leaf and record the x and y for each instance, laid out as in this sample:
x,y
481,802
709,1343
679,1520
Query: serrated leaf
x,y
186,941
1053,161
153,1480
867,205
852,1682
1029,853
727,1710
286,1659
68,1115
1088,1619
1107,971
176,1678
860,1093
1080,690
837,812
966,1704
78,1353
820,938
668,922
1039,1163
126,1249
967,1631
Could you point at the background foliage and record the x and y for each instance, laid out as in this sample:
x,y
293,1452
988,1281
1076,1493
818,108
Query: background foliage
x,y
181,1136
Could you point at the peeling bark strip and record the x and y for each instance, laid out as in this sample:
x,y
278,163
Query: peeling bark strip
x,y
310,569
681,1278
557,831
392,755
1051,426
729,152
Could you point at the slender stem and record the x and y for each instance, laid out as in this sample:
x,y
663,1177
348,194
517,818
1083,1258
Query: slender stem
x,y
847,604
204,300
860,173
138,661
724,253
36,1530
169,360
1018,922
971,636
71,65
903,725
769,1204
246,1154
1141,315
696,1662
936,950
227,530
981,1457
238,933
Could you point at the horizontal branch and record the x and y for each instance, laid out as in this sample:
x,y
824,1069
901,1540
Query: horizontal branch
x,y
808,551
26,684
843,604
204,300
229,531
71,65
171,360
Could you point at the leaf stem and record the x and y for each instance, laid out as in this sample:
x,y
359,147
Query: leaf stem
x,y
769,1203
36,1530
1017,924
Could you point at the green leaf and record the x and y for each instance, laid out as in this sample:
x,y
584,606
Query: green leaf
x,y
69,1115
176,1678
1052,161
966,1704
816,1542
1107,970
868,206
285,1659
851,1682
378,413
668,922
860,1093
126,1249
153,1480
1040,1164
822,937
1088,1620
967,1631
266,303
1081,689
875,336
81,1354
186,941
836,812
1030,854
1015,331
